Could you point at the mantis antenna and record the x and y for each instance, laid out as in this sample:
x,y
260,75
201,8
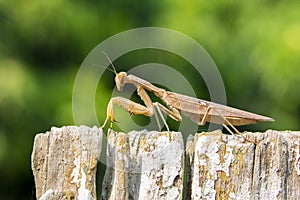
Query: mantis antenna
x,y
114,69
104,68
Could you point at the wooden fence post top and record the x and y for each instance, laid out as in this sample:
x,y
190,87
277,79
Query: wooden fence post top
x,y
229,167
148,165
144,165
64,162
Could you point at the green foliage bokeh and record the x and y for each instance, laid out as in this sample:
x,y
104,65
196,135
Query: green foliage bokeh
x,y
255,44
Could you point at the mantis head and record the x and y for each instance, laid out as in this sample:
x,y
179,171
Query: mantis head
x,y
120,80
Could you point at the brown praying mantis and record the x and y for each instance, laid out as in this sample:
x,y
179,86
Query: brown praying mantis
x,y
198,110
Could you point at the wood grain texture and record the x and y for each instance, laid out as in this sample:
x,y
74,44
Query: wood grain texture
x,y
150,165
226,167
144,165
64,162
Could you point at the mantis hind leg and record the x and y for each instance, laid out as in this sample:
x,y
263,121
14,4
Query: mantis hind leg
x,y
232,126
228,129
235,129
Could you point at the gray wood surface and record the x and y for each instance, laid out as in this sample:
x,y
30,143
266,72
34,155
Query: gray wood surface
x,y
150,165
64,162
144,165
226,167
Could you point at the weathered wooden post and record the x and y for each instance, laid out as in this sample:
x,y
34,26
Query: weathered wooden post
x,y
64,162
148,165
144,165
226,167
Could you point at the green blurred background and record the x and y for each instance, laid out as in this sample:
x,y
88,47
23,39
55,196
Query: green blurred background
x,y
255,44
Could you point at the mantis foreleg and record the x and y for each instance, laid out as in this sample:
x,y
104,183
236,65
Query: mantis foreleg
x,y
135,108
130,106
